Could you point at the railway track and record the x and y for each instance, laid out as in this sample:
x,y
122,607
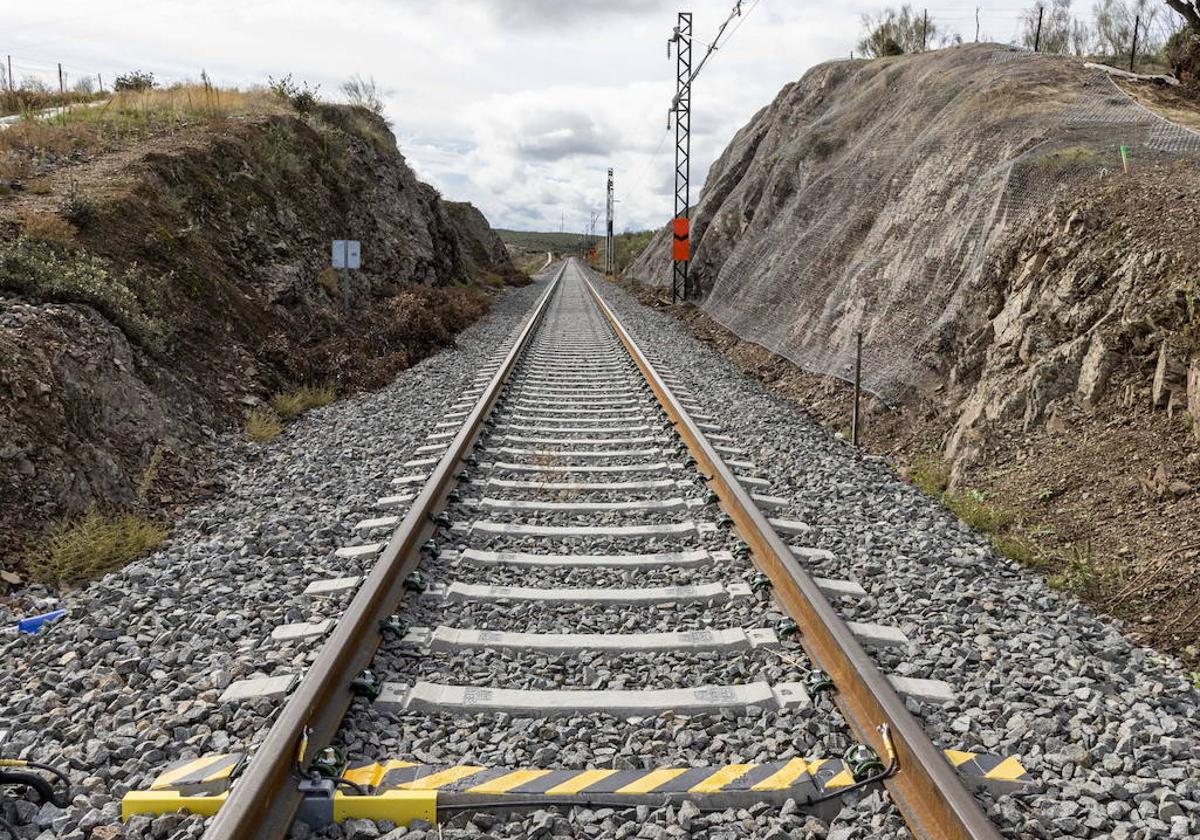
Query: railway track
x,y
580,597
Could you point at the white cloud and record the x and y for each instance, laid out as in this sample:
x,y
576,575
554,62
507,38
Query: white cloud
x,y
516,105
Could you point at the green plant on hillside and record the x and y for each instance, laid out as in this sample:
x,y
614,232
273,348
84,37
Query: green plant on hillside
x,y
1079,574
133,80
1015,547
299,95
973,508
1072,157
76,207
50,271
93,545
930,474
897,31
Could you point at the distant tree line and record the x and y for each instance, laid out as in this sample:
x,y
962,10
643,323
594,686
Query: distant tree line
x,y
1168,31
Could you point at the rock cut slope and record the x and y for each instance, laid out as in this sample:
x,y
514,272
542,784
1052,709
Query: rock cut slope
x,y
194,281
1028,299
871,195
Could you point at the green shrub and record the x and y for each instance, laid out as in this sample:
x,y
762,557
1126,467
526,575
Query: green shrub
x,y
972,508
93,545
1015,548
1078,573
930,474
51,272
301,97
134,80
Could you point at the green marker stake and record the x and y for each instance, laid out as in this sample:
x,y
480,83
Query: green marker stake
x,y
1125,158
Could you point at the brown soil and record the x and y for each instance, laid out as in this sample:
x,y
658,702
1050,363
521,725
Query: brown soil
x,y
1178,103
1087,489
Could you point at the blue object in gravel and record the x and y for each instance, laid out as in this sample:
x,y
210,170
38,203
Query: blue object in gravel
x,y
35,622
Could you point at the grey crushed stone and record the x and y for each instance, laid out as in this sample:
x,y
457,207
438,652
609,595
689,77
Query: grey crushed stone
x,y
129,681
1107,728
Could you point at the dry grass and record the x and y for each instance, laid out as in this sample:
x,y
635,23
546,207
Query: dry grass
x,y
291,404
328,279
23,100
48,228
262,425
130,115
93,545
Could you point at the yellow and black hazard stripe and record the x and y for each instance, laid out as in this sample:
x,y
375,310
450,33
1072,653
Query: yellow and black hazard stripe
x,y
988,768
210,774
400,790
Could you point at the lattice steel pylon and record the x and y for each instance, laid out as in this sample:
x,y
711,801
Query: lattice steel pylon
x,y
608,240
681,107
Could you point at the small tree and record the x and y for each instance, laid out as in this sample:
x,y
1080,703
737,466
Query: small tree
x,y
364,93
896,31
1115,21
1057,26
134,80
33,84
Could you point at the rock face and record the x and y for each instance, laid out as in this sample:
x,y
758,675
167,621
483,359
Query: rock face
x,y
964,210
227,233
872,196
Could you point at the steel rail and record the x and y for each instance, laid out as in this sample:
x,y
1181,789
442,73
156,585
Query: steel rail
x,y
264,801
926,789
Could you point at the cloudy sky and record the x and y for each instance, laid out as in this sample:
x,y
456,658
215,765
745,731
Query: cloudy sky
x,y
516,105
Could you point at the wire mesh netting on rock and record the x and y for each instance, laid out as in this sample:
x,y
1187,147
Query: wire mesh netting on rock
x,y
871,196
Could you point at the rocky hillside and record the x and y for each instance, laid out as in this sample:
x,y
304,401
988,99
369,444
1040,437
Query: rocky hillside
x,y
150,294
1028,300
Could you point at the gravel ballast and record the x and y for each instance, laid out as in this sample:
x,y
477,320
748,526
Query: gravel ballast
x,y
1108,729
130,680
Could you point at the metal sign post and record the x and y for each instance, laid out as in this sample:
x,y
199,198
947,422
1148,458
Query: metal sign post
x,y
608,240
347,256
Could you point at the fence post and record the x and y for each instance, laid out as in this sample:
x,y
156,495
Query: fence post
x,y
925,33
1037,39
62,87
1133,49
857,391
100,82
11,85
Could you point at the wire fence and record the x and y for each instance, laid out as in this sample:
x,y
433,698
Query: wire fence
x,y
41,75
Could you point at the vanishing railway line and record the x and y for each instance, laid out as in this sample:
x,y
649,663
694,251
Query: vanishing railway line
x,y
580,555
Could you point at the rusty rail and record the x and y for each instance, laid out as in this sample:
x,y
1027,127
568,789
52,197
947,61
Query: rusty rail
x,y
926,789
264,801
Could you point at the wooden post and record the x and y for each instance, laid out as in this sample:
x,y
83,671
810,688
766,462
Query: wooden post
x,y
62,87
925,33
100,82
976,24
857,391
1133,49
12,87
1037,39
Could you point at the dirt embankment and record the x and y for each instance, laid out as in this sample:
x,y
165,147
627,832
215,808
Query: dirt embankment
x,y
150,295
1055,399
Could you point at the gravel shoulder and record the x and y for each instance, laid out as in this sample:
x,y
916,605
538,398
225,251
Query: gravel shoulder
x,y
1109,729
130,680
